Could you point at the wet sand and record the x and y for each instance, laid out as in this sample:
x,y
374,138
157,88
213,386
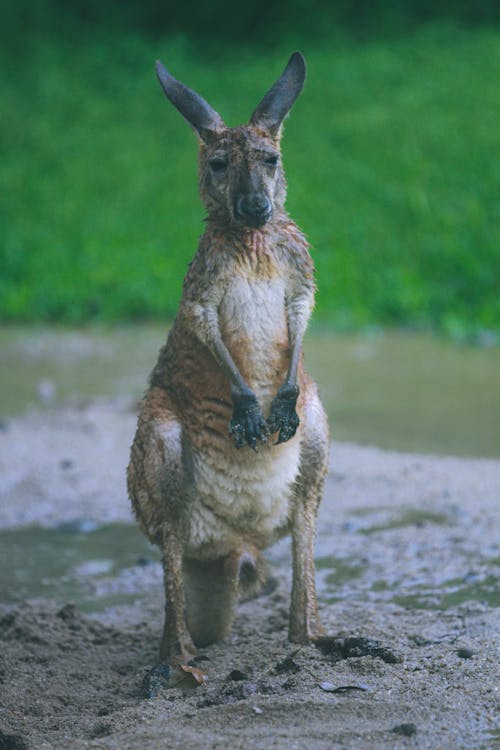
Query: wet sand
x,y
408,555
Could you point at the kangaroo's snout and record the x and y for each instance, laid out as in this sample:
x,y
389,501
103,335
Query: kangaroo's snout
x,y
253,210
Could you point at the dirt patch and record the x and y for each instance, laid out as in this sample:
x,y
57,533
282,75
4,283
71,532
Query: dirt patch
x,y
408,555
72,681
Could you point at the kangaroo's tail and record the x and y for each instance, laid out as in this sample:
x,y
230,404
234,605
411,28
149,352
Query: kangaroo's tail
x,y
213,588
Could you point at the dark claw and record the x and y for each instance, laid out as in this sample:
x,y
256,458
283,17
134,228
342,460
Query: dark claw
x,y
236,430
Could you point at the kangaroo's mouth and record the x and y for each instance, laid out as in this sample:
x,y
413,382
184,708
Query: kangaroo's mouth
x,y
257,222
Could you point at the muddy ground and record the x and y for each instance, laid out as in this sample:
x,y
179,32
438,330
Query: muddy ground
x,y
408,555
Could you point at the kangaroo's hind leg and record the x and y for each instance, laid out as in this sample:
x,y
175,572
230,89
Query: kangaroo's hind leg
x,y
156,484
304,624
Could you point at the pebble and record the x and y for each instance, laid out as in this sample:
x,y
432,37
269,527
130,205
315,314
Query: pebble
x,y
157,678
236,675
406,730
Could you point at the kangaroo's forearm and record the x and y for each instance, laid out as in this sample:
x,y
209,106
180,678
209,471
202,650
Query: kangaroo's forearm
x,y
298,312
291,376
247,425
283,417
204,322
228,366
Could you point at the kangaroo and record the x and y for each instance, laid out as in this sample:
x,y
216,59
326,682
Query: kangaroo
x,y
231,447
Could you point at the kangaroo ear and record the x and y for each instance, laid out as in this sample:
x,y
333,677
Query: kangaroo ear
x,y
278,101
200,115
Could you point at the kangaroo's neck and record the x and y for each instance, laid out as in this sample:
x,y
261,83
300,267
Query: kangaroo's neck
x,y
273,233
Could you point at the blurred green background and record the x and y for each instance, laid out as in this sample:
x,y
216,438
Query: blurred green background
x,y
391,154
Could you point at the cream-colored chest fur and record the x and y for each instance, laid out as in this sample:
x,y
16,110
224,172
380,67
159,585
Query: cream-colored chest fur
x,y
252,320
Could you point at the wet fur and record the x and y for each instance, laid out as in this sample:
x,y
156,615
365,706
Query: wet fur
x,y
209,505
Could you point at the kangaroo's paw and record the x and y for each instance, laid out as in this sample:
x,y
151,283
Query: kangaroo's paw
x,y
247,425
176,648
283,417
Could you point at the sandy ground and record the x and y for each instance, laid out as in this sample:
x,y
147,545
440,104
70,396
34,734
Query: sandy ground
x,y
408,553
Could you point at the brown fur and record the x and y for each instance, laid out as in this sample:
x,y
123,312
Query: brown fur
x,y
194,492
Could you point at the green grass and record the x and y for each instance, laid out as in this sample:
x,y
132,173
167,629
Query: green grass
x,y
390,157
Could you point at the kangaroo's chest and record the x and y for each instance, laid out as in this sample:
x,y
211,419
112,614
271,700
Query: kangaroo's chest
x,y
253,308
253,325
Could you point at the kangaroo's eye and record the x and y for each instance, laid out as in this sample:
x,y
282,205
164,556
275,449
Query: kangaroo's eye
x,y
218,166
271,161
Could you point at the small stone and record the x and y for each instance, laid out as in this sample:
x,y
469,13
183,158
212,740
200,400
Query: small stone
x,y
465,653
406,730
256,710
354,646
290,683
287,665
236,675
328,687
67,612
101,729
157,678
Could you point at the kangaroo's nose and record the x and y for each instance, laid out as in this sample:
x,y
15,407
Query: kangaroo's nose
x,y
254,210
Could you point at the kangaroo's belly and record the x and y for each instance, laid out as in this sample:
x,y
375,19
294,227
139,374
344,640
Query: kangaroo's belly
x,y
240,496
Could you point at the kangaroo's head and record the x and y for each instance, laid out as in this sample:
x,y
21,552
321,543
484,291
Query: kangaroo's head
x,y
241,175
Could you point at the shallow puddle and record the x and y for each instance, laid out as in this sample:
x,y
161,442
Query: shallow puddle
x,y
413,517
100,566
400,561
79,562
336,572
453,593
491,739
336,586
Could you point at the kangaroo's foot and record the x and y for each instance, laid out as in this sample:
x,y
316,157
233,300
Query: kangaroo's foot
x,y
283,417
176,647
304,625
